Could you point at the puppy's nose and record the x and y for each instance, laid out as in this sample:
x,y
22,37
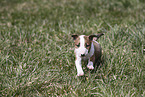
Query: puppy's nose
x,y
82,55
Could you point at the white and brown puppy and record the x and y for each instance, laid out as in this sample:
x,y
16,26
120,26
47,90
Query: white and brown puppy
x,y
86,48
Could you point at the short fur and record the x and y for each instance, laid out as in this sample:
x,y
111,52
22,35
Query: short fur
x,y
86,48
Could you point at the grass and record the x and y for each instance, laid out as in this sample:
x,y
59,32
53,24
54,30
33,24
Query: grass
x,y
36,49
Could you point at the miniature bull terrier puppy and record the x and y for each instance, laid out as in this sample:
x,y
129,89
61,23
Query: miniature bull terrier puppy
x,y
86,48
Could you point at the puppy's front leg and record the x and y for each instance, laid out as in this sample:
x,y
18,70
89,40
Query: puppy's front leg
x,y
91,62
90,65
79,67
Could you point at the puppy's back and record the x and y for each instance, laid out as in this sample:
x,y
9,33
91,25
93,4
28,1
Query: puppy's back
x,y
98,50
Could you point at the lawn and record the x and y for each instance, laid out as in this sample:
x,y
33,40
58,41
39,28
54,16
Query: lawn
x,y
37,50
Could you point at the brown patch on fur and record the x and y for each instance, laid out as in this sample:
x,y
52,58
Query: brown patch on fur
x,y
77,41
92,58
87,42
97,52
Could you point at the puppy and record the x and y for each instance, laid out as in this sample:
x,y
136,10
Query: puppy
x,y
86,48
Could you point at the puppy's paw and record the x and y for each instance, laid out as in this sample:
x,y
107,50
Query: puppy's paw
x,y
90,67
80,74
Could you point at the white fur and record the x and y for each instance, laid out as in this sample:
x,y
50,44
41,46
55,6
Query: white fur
x,y
79,67
83,50
96,42
92,49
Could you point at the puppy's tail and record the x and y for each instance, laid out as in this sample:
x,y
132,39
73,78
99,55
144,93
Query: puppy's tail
x,y
98,36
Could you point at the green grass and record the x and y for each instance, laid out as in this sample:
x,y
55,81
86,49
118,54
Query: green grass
x,y
36,49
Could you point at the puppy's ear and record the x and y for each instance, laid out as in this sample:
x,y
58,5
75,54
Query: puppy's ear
x,y
95,37
74,37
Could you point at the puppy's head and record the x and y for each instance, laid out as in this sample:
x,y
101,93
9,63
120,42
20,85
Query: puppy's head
x,y
83,44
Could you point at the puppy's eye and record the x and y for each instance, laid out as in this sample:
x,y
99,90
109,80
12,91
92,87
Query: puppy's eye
x,y
78,45
87,45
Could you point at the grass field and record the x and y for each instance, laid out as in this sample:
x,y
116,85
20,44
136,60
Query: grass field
x,y
37,51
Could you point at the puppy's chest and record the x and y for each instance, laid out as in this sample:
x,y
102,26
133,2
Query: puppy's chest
x,y
86,57
89,55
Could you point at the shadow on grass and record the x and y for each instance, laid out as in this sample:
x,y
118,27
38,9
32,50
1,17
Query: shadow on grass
x,y
98,64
